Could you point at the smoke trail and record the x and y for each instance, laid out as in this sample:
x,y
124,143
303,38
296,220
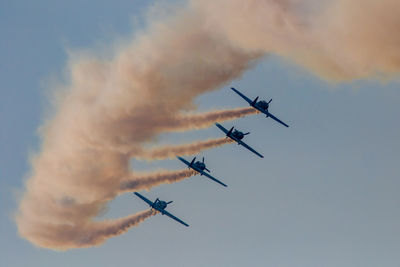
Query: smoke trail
x,y
186,149
81,234
110,107
204,120
107,229
149,180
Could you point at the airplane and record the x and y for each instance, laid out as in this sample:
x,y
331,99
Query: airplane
x,y
160,206
261,106
237,136
200,167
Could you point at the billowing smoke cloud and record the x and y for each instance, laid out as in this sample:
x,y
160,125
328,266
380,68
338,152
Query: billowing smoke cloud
x,y
110,108
338,39
187,149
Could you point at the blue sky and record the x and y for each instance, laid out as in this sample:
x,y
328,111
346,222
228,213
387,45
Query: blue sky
x,y
326,193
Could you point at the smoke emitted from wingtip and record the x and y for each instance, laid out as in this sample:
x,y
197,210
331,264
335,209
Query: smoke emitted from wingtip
x,y
146,181
171,151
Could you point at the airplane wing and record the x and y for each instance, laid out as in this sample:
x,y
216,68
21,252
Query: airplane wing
x,y
276,119
222,128
240,142
242,95
212,178
144,199
175,218
184,160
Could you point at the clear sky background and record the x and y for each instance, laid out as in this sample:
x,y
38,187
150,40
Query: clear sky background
x,y
326,193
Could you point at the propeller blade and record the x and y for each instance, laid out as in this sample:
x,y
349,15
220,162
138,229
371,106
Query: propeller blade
x,y
207,169
246,133
169,202
203,159
270,101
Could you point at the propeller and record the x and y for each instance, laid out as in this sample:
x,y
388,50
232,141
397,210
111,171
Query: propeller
x,y
270,101
246,133
207,169
169,202
203,159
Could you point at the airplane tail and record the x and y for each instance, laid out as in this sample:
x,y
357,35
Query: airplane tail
x,y
230,131
191,163
254,101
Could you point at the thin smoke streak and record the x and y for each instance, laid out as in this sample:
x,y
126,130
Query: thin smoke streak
x,y
168,152
146,181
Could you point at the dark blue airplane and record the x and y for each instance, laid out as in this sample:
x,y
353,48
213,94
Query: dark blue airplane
x,y
160,206
237,136
261,106
200,167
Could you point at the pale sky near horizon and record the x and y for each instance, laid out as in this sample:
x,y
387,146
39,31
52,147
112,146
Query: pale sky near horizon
x,y
326,193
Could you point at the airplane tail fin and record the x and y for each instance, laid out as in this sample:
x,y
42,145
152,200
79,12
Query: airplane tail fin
x,y
191,163
254,101
230,131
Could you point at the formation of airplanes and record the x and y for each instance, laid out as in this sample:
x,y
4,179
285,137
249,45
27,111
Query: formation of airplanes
x,y
201,168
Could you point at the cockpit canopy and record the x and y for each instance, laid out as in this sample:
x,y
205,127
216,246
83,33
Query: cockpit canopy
x,y
238,134
263,104
162,204
200,165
